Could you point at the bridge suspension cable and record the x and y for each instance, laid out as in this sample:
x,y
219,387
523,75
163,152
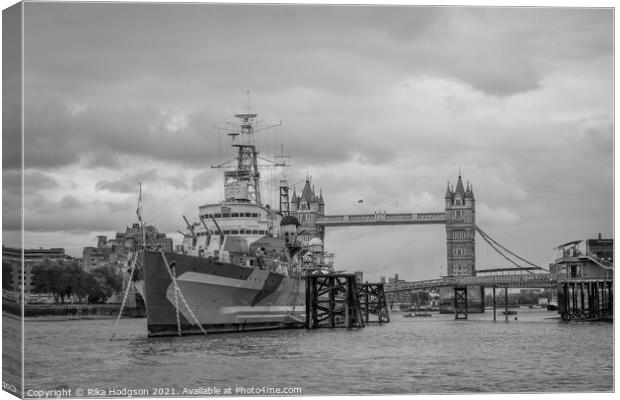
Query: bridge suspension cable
x,y
492,242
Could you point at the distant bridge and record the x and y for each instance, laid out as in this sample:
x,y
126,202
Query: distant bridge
x,y
540,280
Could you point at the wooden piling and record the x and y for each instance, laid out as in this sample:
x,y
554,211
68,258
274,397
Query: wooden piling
x,y
611,298
506,302
332,302
373,302
494,306
583,305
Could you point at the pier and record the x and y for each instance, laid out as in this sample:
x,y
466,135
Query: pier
x,y
373,302
583,300
338,301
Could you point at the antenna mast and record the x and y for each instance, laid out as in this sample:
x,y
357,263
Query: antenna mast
x,y
284,200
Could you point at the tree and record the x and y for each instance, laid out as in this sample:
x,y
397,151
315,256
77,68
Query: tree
x,y
110,278
46,279
64,279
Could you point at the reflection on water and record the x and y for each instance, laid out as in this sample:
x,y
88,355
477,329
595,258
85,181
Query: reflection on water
x,y
408,355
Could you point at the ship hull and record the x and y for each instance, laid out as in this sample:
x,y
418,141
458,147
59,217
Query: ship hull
x,y
223,297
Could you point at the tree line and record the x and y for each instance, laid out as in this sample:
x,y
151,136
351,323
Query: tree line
x,y
64,279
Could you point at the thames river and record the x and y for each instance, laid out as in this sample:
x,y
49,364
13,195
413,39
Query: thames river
x,y
535,353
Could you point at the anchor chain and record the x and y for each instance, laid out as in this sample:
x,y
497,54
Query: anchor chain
x,y
178,290
120,313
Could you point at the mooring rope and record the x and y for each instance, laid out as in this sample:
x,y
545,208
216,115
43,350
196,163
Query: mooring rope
x,y
120,313
176,305
180,293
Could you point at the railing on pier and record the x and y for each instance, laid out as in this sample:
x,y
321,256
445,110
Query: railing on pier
x,y
510,280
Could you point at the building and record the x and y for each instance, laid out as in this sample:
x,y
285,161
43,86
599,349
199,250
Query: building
x,y
307,208
461,230
132,238
31,257
395,279
116,251
602,249
595,263
585,279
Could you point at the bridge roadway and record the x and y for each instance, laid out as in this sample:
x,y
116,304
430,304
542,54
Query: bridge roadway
x,y
509,280
382,218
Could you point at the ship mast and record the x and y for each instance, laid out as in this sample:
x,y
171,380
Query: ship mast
x,y
247,156
243,182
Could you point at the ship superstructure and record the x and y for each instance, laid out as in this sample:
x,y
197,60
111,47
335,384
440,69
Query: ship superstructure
x,y
242,264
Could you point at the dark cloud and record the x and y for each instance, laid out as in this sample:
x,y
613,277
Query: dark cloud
x,y
500,51
69,202
33,181
104,159
12,78
204,180
129,183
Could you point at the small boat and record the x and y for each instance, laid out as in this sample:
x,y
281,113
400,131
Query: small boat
x,y
418,314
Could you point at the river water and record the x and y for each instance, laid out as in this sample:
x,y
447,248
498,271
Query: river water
x,y
535,353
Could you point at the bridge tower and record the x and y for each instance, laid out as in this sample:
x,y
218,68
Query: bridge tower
x,y
460,229
307,208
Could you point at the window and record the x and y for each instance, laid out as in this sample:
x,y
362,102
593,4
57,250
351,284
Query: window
x,y
459,235
459,252
234,215
457,215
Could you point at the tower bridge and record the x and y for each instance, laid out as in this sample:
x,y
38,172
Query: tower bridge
x,y
462,289
458,217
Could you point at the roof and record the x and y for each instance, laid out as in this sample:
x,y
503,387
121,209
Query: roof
x,y
307,194
569,243
459,188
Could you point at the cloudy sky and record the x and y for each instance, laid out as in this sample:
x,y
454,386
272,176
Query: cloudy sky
x,y
383,104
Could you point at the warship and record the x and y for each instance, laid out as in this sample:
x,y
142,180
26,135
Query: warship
x,y
240,266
